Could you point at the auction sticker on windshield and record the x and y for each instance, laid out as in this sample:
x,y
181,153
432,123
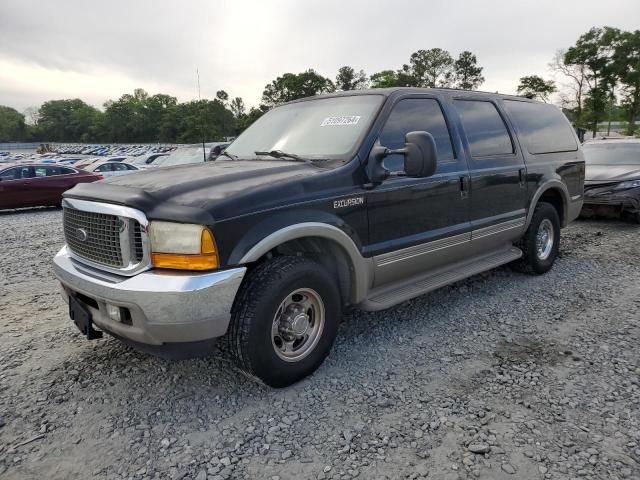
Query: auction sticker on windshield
x,y
339,121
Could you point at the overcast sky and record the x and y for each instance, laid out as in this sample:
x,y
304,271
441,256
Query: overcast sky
x,y
99,50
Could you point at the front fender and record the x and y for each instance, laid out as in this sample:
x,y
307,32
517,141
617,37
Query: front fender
x,y
265,237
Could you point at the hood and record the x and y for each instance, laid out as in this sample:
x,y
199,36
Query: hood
x,y
611,173
187,189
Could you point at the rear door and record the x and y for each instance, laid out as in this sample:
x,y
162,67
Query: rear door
x,y
417,224
497,168
60,180
43,185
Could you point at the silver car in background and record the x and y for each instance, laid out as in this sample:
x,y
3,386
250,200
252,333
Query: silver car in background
x,y
612,178
193,153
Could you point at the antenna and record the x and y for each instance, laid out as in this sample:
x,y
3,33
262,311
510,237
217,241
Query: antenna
x,y
204,153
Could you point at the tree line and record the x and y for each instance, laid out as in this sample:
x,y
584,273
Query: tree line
x,y
600,72
600,79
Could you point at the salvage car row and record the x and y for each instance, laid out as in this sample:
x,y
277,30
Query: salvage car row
x,y
40,180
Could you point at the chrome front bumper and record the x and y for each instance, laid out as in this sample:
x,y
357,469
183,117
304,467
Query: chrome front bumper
x,y
164,306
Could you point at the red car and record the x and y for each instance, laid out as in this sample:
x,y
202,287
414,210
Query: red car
x,y
38,185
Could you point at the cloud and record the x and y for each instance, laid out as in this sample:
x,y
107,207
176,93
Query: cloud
x,y
100,50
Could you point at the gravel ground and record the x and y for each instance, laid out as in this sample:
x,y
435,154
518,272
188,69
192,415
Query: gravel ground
x,y
501,376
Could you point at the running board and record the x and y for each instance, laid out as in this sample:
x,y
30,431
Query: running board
x,y
390,295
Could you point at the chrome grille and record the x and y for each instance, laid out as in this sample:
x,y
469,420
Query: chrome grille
x,y
106,236
100,242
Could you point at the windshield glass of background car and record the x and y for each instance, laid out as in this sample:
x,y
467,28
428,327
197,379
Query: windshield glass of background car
x,y
612,154
327,128
181,156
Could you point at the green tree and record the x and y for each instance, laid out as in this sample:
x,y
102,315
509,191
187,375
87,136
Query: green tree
x,y
536,87
384,79
349,79
391,78
626,65
431,68
572,97
595,50
291,86
467,73
12,125
199,120
138,117
222,96
237,107
69,120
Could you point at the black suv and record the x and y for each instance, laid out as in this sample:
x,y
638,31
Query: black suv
x,y
364,198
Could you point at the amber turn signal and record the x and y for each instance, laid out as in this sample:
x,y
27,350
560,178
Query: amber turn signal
x,y
184,262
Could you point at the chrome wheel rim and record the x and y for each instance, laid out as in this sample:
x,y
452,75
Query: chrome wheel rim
x,y
298,324
544,239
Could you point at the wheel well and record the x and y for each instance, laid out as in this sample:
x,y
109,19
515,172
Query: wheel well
x,y
326,252
554,197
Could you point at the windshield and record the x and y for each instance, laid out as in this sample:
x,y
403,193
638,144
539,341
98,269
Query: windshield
x,y
140,160
612,154
181,156
327,128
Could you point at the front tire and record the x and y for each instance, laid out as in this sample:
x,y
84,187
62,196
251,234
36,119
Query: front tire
x,y
284,320
541,241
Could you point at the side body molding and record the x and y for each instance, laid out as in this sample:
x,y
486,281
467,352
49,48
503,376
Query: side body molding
x,y
548,185
361,268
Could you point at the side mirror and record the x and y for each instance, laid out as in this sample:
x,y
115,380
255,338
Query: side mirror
x,y
420,157
214,153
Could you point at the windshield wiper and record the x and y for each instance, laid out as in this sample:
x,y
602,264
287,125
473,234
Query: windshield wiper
x,y
227,154
281,154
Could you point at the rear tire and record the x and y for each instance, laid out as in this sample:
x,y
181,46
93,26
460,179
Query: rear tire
x,y
541,241
284,320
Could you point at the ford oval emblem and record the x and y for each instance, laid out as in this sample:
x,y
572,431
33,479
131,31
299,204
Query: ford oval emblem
x,y
81,234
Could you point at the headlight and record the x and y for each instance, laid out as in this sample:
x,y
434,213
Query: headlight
x,y
628,184
182,246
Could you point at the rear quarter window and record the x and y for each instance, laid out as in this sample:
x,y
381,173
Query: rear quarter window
x,y
543,128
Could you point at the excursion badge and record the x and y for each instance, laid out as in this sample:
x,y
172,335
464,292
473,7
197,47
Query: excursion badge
x,y
348,202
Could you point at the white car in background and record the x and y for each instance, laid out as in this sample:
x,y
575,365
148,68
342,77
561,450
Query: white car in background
x,y
108,168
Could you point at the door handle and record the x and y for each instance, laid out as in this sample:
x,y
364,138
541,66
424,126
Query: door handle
x,y
464,186
521,176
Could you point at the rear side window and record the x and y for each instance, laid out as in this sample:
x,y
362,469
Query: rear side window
x,y
415,115
543,128
51,171
486,131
